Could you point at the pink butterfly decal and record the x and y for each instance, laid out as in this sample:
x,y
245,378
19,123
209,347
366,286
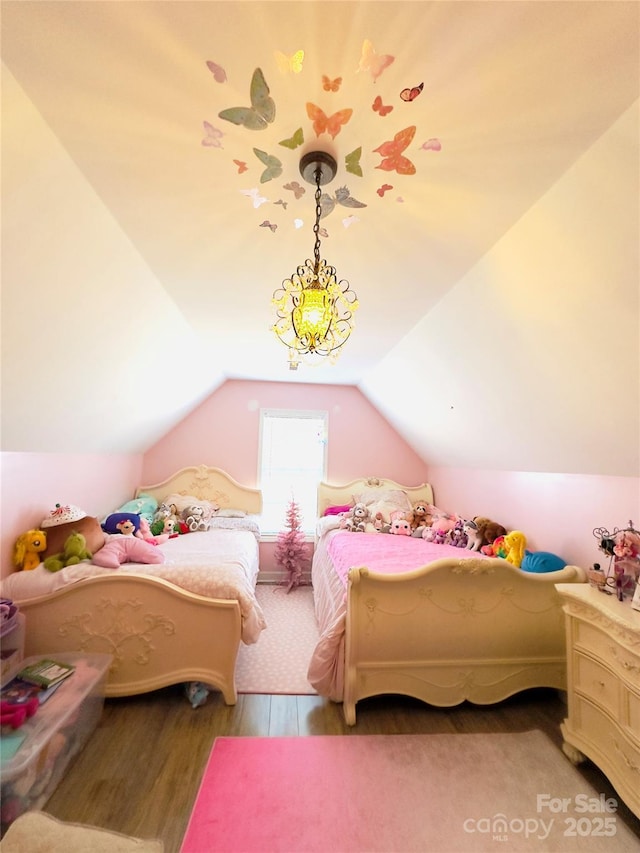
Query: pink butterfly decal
x,y
212,136
384,189
295,188
242,166
323,233
411,94
328,124
331,85
379,107
393,160
431,145
267,224
373,62
219,74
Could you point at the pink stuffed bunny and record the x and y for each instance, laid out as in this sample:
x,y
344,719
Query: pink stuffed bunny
x,y
126,549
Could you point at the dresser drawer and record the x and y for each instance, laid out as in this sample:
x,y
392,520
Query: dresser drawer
x,y
621,757
597,683
631,713
601,645
590,638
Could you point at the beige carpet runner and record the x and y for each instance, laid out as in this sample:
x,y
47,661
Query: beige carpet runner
x,y
278,662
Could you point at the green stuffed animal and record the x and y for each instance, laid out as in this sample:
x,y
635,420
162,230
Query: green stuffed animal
x,y
75,550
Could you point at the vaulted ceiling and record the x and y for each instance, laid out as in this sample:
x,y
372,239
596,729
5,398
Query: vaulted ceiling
x,y
450,123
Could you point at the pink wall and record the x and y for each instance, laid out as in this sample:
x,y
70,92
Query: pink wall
x,y
33,483
556,512
224,432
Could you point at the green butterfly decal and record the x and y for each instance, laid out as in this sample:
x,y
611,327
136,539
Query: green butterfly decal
x,y
296,140
274,166
352,162
262,110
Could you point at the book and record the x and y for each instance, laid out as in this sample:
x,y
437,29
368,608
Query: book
x,y
19,692
45,672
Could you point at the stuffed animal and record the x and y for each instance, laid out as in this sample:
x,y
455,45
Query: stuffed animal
x,y
27,548
488,530
496,549
400,527
515,543
113,523
422,515
126,549
75,551
457,537
356,519
127,528
14,714
165,511
195,517
147,536
474,539
443,521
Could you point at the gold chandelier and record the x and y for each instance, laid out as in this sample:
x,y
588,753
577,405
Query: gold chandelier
x,y
314,311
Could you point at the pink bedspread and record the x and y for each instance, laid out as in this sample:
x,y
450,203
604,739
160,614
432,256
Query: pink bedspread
x,y
386,554
338,551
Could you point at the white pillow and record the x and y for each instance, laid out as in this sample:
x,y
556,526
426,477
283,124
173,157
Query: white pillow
x,y
230,513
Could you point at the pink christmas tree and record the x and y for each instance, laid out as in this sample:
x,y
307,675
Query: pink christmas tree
x,y
291,550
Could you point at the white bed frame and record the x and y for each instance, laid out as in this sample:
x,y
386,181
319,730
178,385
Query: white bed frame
x,y
157,633
457,629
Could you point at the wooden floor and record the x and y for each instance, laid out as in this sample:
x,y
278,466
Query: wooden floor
x,y
140,772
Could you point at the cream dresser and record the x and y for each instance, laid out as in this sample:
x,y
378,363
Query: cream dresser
x,y
603,686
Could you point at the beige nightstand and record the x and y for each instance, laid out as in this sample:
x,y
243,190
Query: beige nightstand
x,y
603,686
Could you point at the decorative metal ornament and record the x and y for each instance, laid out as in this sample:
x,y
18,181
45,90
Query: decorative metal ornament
x,y
314,311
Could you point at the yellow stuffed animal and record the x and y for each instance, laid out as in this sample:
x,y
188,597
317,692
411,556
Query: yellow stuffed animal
x,y
27,549
515,543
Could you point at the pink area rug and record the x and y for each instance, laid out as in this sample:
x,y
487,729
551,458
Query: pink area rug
x,y
397,794
278,662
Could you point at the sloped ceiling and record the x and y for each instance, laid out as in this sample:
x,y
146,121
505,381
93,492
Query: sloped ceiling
x,y
131,222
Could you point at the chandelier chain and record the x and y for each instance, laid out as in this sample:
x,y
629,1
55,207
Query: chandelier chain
x,y
316,227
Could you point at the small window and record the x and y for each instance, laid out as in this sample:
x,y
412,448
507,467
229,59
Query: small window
x,y
292,463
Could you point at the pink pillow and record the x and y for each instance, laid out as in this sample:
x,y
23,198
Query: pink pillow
x,y
336,510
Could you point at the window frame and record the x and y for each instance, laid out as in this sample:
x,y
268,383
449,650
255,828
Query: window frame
x,y
293,414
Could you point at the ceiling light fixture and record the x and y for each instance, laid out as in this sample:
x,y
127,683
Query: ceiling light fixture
x,y
314,311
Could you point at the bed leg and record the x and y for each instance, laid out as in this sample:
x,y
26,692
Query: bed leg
x,y
349,710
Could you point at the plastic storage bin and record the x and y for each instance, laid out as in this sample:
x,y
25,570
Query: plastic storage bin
x,y
53,736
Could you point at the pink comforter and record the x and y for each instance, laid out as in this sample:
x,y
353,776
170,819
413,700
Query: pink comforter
x,y
338,551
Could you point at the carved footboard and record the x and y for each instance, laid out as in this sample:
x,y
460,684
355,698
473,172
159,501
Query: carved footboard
x,y
157,633
469,629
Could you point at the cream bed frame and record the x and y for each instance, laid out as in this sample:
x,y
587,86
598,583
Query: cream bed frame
x,y
457,629
157,633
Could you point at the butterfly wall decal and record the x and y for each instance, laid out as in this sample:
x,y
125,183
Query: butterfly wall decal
x,y
384,189
431,145
295,188
411,94
255,197
262,111
219,74
328,124
292,63
212,136
352,162
393,160
282,202
373,62
294,141
379,107
274,166
342,197
331,85
242,166
267,224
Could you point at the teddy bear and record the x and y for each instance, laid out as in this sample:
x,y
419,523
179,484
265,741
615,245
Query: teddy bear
x,y
27,548
75,551
195,518
488,530
356,519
